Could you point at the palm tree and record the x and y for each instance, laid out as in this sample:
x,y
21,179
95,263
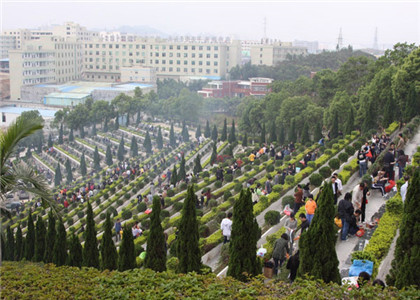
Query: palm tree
x,y
20,176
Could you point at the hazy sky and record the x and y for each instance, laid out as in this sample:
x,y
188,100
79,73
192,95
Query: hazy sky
x,y
397,21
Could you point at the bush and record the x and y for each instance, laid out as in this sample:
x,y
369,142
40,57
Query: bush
x,y
183,186
70,222
228,177
316,179
357,145
227,195
394,205
102,216
170,193
80,214
238,187
248,168
311,164
325,172
172,264
106,196
287,158
164,214
145,224
218,184
98,201
112,189
334,163
212,203
270,168
272,217
204,231
288,200
141,207
127,196
178,206
343,156
126,214
205,174
290,179
328,152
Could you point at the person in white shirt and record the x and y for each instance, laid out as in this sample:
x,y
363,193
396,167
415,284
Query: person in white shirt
x,y
226,227
357,197
403,190
339,183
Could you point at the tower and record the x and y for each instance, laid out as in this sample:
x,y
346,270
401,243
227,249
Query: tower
x,y
340,40
375,39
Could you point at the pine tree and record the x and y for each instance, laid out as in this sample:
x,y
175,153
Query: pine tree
x,y
188,250
214,133
147,143
94,129
223,137
71,135
121,150
50,142
207,131
172,140
185,134
60,135
412,104
198,132
305,133
134,147
245,140
82,132
232,134
69,171
19,244
174,176
369,118
273,135
58,177
281,137
182,174
243,244
50,238
108,156
389,112
159,139
350,122
10,245
292,132
96,160
197,164
117,122
334,127
156,244
75,257
60,245
127,122
105,125
406,264
83,169
318,257
90,250
126,255
3,247
138,118
40,235
318,132
30,239
109,255
262,139
213,154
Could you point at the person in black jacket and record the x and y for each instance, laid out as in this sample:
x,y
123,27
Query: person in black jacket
x,y
345,210
293,265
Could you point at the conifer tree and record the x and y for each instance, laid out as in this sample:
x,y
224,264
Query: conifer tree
x,y
318,132
69,171
368,117
30,239
138,119
117,122
318,257
174,176
71,135
412,105
58,177
245,140
182,174
126,255
109,255
198,132
159,139
406,264
96,160
232,134
105,125
40,234
82,132
108,156
90,250
50,142
156,244
134,147
50,238
292,132
281,137
121,150
60,135
83,169
60,245
3,247
273,135
172,140
148,143
223,137
214,133
334,127
305,133
207,131
262,139
197,164
185,134
213,154
243,244
75,257
188,250
350,122
10,245
19,244
229,150
94,129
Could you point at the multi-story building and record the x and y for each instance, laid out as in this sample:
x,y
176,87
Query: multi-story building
x,y
257,87
272,54
313,47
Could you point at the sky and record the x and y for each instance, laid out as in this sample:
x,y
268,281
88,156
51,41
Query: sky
x,y
396,21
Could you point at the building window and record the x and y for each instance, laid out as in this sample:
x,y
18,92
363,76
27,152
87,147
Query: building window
x,y
178,47
178,69
185,62
207,71
207,63
215,63
193,47
163,69
185,55
216,48
157,54
171,54
163,61
178,55
193,62
200,70
171,62
178,62
215,71
216,56
200,55
185,47
156,61
207,55
185,70
171,48
192,70
200,63
200,48
164,54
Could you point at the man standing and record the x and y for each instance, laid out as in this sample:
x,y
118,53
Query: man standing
x,y
362,160
268,187
280,251
336,192
117,229
404,188
310,207
389,162
345,211
226,227
339,183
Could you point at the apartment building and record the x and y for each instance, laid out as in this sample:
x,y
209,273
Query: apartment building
x,y
272,54
257,87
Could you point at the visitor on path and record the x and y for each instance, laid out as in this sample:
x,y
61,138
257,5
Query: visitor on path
x,y
402,162
280,252
365,194
339,183
310,208
298,199
226,227
353,228
363,278
136,230
345,211
268,186
117,230
362,161
336,192
389,162
293,266
291,225
379,181
304,225
404,187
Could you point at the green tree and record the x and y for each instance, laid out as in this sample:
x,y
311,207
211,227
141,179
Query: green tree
x,y
138,118
10,245
245,140
19,244
172,140
75,257
334,127
318,132
134,147
273,135
406,264
94,129
147,143
197,164
281,137
223,137
262,139
243,244
60,135
412,104
198,132
174,176
185,134
50,142
82,132
60,245
58,177
126,255
83,169
69,171
50,238
109,255
232,134
207,131
40,234
182,174
30,239
156,244
213,154
188,250
350,122
292,131
305,133
71,135
96,160
318,257
108,155
159,139
214,133
121,150
117,122
90,250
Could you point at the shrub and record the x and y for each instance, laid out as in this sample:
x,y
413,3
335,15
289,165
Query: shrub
x,y
183,186
80,214
357,145
290,179
278,163
316,179
343,156
248,168
272,217
204,231
127,196
270,168
227,195
238,187
212,203
288,200
334,163
112,189
218,184
98,201
106,196
70,221
172,264
205,174
287,158
126,214
145,224
311,164
277,188
141,207
394,205
164,214
102,216
112,211
120,202
328,152
325,172
228,177
178,206
336,146
170,193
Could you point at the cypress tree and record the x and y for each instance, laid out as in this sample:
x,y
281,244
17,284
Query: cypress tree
x,y
138,119
188,250
318,132
127,122
182,174
207,131
172,140
10,245
174,176
83,169
19,244
305,133
121,151
71,135
60,245
30,239
369,118
75,257
50,142
317,246
214,133
273,135
93,129
106,125
58,177
262,139
350,122
197,164
292,131
185,134
82,132
90,250
159,139
213,154
134,147
198,132
108,155
109,255
69,171
412,105
117,122
229,150
406,264
40,235
147,143
156,244
232,134
243,244
245,140
223,137
96,160
281,137
389,112
334,127
126,255
50,239
60,135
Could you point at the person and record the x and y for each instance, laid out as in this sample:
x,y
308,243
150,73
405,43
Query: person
x,y
336,192
202,199
277,178
365,193
255,197
293,266
118,229
304,225
361,159
136,230
268,186
298,199
401,142
363,278
291,224
281,250
357,197
402,162
389,162
162,201
310,208
251,158
353,228
345,211
226,227
379,282
339,183
379,181
404,187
